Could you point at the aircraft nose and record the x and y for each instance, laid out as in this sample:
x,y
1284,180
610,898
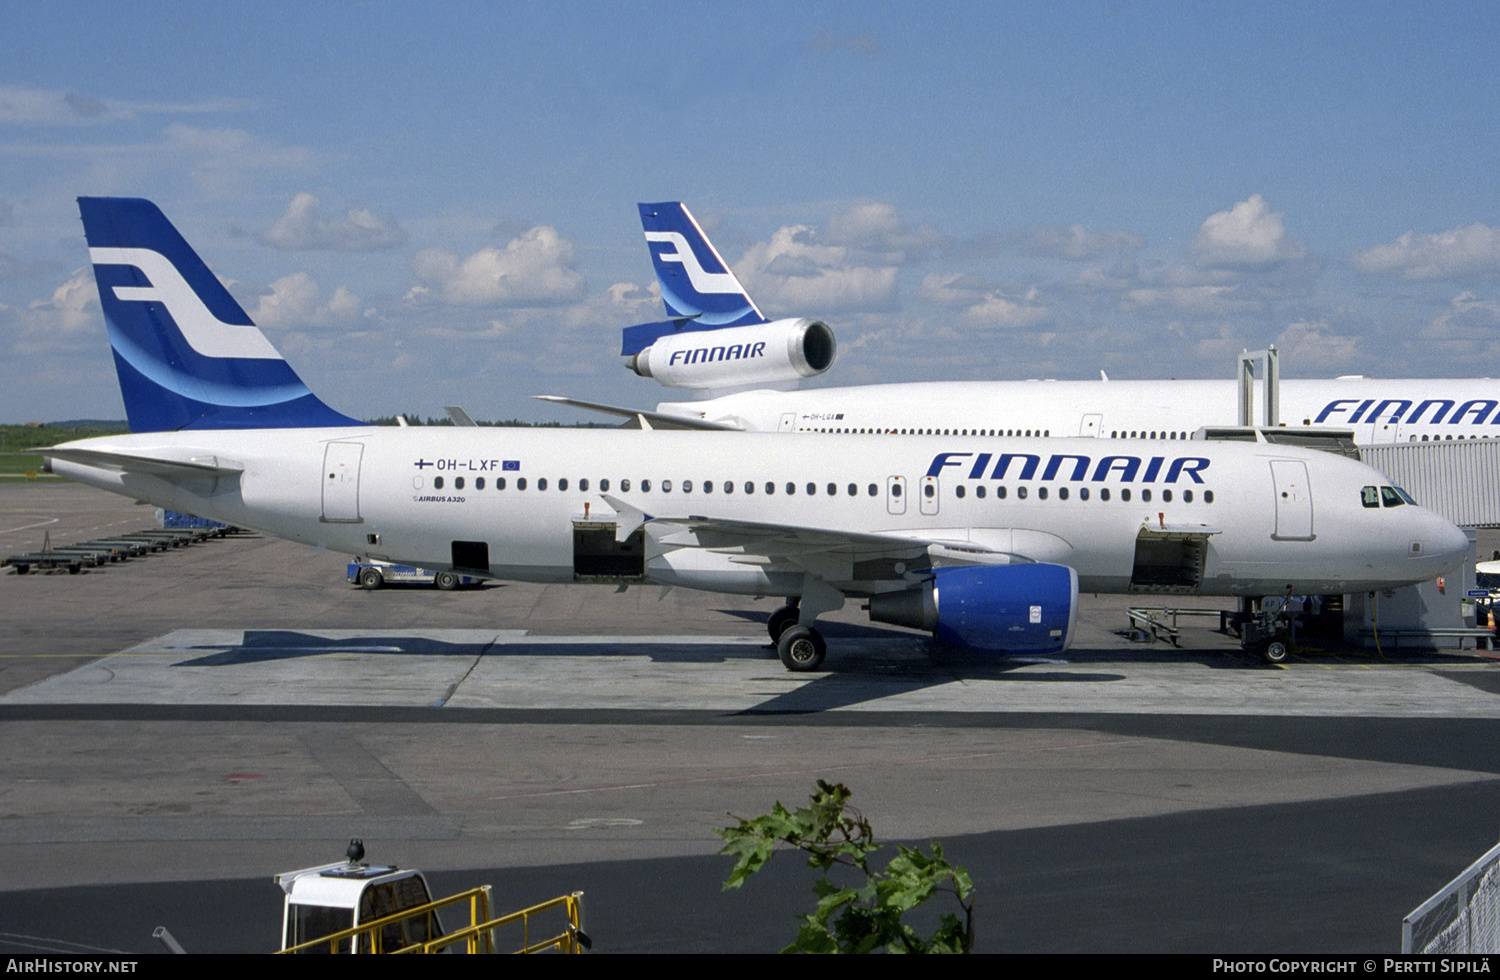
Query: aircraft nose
x,y
1440,543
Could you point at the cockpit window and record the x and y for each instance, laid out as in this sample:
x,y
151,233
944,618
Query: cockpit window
x,y
1370,496
1405,496
1390,498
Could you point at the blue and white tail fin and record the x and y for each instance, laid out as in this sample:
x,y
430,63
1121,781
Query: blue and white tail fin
x,y
187,354
697,287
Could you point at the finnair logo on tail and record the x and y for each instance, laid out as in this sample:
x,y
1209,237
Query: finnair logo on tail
x,y
703,281
204,332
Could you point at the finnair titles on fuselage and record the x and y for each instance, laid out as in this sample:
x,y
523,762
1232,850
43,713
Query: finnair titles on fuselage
x,y
985,542
711,316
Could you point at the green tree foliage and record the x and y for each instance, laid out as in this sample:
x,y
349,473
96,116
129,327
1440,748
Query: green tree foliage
x,y
854,919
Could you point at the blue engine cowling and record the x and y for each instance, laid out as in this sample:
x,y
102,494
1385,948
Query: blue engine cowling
x,y
1005,608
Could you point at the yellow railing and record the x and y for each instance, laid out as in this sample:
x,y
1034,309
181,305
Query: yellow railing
x,y
477,937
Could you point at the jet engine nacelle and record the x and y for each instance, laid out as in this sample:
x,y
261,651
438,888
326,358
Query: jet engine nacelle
x,y
782,350
1028,608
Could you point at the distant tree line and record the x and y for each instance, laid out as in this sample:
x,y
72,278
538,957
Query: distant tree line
x,y
413,418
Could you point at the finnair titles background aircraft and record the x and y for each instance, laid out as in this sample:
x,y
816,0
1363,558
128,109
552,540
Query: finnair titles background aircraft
x,y
984,542
717,339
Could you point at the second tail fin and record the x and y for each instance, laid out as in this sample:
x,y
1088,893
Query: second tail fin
x,y
699,290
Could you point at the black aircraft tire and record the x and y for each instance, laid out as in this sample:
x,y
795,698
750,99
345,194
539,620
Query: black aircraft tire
x,y
780,620
801,648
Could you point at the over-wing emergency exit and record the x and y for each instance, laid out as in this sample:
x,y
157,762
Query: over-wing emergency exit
x,y
984,542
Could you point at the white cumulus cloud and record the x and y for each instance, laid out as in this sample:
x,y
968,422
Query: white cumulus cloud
x,y
296,301
797,274
1247,236
1003,313
304,226
534,269
1314,347
1473,250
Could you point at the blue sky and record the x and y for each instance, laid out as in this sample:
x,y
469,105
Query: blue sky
x,y
435,204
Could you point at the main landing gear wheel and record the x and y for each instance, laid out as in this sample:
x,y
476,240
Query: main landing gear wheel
x,y
780,620
447,581
801,648
370,579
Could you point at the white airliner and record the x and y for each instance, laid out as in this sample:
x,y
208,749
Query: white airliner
x,y
717,339
985,542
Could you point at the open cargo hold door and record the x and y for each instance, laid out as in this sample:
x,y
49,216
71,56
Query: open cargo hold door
x,y
1170,557
598,557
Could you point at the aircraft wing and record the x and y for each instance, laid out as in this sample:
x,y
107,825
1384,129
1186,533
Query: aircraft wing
x,y
175,467
645,420
775,540
853,562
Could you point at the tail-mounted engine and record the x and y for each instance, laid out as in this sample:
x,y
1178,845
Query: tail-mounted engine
x,y
782,350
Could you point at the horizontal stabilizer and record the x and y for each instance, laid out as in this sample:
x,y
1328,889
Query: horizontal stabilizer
x,y
656,419
182,464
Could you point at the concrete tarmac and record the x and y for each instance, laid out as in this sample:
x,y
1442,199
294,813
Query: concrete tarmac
x,y
182,726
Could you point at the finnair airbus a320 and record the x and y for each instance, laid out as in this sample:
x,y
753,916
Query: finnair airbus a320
x,y
718,340
984,542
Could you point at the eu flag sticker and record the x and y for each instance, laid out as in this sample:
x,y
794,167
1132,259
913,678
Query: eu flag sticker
x,y
510,464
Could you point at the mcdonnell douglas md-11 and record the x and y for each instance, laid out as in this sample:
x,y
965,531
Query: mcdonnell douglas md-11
x,y
717,339
984,542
